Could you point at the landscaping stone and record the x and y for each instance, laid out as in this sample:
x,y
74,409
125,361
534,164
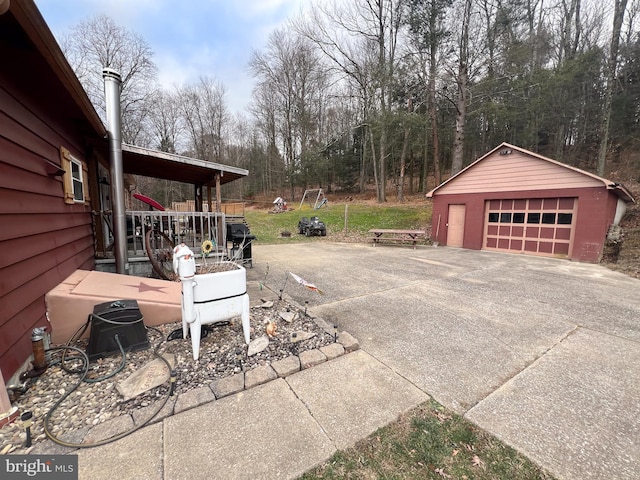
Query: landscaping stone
x,y
333,351
288,316
287,366
311,358
300,336
258,345
226,386
142,414
151,375
258,376
193,398
349,343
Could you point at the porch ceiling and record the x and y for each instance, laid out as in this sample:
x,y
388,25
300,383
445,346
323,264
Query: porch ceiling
x,y
156,164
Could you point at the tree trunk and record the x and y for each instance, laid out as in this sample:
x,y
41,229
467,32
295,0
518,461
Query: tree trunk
x,y
618,16
403,159
375,168
462,81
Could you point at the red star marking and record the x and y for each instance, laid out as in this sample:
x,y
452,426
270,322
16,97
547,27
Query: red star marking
x,y
143,287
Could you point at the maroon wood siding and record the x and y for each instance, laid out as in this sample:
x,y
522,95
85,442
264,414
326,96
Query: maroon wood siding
x,y
42,239
595,212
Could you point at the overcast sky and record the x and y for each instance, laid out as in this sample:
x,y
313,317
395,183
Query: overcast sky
x,y
190,38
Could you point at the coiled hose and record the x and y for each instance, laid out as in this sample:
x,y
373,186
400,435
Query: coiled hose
x,y
84,370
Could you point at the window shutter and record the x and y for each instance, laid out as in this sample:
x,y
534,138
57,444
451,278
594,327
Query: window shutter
x,y
85,181
67,180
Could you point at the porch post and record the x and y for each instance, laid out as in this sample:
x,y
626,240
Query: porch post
x,y
218,194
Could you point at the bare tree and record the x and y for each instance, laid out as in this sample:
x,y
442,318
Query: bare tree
x,y
618,17
427,34
166,121
361,39
204,114
292,71
462,83
98,43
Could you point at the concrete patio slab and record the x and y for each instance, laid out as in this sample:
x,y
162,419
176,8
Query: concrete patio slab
x,y
576,411
138,455
265,432
439,343
353,396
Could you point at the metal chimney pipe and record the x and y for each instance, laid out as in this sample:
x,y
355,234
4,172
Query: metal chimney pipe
x,y
112,85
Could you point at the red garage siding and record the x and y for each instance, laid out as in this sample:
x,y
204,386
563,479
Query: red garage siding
x,y
520,202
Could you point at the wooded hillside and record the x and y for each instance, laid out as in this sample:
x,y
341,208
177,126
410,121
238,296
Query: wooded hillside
x,y
398,94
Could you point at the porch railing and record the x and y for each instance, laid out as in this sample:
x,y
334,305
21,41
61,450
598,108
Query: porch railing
x,y
191,228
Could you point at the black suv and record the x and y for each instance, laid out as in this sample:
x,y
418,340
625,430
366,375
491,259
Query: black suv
x,y
312,226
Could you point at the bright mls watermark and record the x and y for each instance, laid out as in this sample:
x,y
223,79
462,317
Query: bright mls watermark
x,y
50,467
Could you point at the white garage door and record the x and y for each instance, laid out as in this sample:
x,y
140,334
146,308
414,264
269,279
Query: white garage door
x,y
538,226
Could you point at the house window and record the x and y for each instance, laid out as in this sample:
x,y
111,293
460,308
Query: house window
x,y
75,178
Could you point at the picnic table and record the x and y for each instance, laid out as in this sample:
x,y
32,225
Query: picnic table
x,y
396,236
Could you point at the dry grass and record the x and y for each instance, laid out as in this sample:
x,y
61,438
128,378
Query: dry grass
x,y
429,442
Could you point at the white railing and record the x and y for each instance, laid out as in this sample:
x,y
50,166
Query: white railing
x,y
191,228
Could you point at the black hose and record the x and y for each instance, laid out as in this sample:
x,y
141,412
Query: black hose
x,y
84,370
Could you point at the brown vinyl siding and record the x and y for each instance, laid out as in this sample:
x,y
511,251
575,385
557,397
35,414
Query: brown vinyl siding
x,y
516,172
43,240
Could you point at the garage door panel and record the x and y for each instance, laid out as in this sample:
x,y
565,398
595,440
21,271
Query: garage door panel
x,y
545,247
533,232
535,226
546,232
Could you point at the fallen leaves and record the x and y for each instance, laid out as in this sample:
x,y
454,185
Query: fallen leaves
x,y
442,473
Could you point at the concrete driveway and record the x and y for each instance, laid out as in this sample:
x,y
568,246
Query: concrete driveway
x,y
543,353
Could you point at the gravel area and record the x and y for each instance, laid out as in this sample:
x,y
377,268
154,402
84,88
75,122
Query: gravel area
x,y
222,354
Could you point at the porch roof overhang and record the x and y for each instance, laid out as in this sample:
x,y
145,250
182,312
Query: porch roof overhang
x,y
168,166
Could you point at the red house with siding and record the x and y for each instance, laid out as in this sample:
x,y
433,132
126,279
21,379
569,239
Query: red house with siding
x,y
517,201
54,165
51,143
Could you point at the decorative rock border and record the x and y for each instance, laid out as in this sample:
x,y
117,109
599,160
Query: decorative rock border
x,y
217,389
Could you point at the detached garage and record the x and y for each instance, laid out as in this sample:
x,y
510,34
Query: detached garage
x,y
514,200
